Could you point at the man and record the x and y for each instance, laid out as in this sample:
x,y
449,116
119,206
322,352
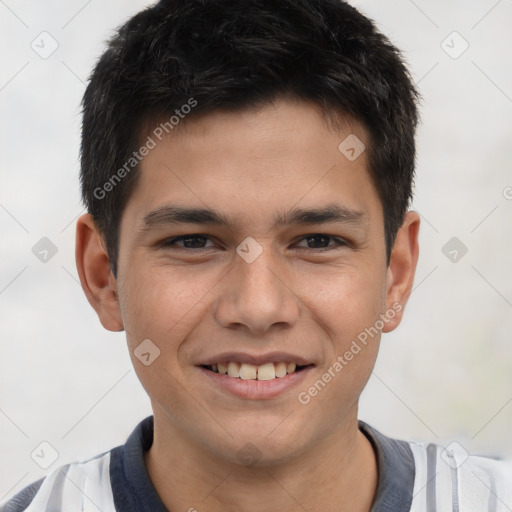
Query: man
x,y
247,168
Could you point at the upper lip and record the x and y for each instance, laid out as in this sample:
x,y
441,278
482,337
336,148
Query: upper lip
x,y
245,357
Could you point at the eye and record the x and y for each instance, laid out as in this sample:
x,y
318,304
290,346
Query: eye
x,y
189,241
320,242
317,242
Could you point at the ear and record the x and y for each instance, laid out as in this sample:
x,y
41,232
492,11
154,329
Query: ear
x,y
96,277
401,269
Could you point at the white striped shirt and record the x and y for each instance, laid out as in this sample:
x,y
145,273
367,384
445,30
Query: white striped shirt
x,y
413,477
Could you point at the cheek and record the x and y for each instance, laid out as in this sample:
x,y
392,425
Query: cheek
x,y
164,306
147,307
163,311
347,308
347,300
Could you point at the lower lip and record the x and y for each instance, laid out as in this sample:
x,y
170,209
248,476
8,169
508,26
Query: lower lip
x,y
256,389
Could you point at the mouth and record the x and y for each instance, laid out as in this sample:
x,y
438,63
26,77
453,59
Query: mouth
x,y
262,372
253,376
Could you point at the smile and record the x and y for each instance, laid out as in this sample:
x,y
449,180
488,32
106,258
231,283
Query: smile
x,y
246,371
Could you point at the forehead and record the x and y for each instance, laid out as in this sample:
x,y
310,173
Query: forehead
x,y
254,163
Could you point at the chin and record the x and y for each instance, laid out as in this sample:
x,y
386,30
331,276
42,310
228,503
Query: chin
x,y
263,445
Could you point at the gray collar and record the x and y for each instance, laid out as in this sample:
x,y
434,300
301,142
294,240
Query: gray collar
x,y
396,468
133,490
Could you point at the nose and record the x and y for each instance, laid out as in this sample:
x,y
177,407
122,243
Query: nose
x,y
257,297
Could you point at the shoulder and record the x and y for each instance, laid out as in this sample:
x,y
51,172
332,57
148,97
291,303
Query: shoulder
x,y
20,501
86,482
111,481
421,477
449,477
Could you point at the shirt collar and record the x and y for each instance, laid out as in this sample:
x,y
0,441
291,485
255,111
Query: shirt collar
x,y
133,490
396,469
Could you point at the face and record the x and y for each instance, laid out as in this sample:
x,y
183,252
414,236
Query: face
x,y
253,245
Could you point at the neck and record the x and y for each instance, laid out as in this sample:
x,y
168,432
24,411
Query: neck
x,y
339,473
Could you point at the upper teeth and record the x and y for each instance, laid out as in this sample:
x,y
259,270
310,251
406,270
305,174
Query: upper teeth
x,y
248,371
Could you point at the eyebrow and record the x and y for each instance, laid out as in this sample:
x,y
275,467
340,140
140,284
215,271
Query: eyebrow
x,y
170,215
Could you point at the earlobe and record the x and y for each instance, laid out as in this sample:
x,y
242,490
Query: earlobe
x,y
401,269
97,281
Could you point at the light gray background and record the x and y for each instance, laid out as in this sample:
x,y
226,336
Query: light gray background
x,y
445,374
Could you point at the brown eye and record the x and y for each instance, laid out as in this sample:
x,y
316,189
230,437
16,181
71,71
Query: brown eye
x,y
189,241
321,241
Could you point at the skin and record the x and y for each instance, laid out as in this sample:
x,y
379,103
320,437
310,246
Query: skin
x,y
191,305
